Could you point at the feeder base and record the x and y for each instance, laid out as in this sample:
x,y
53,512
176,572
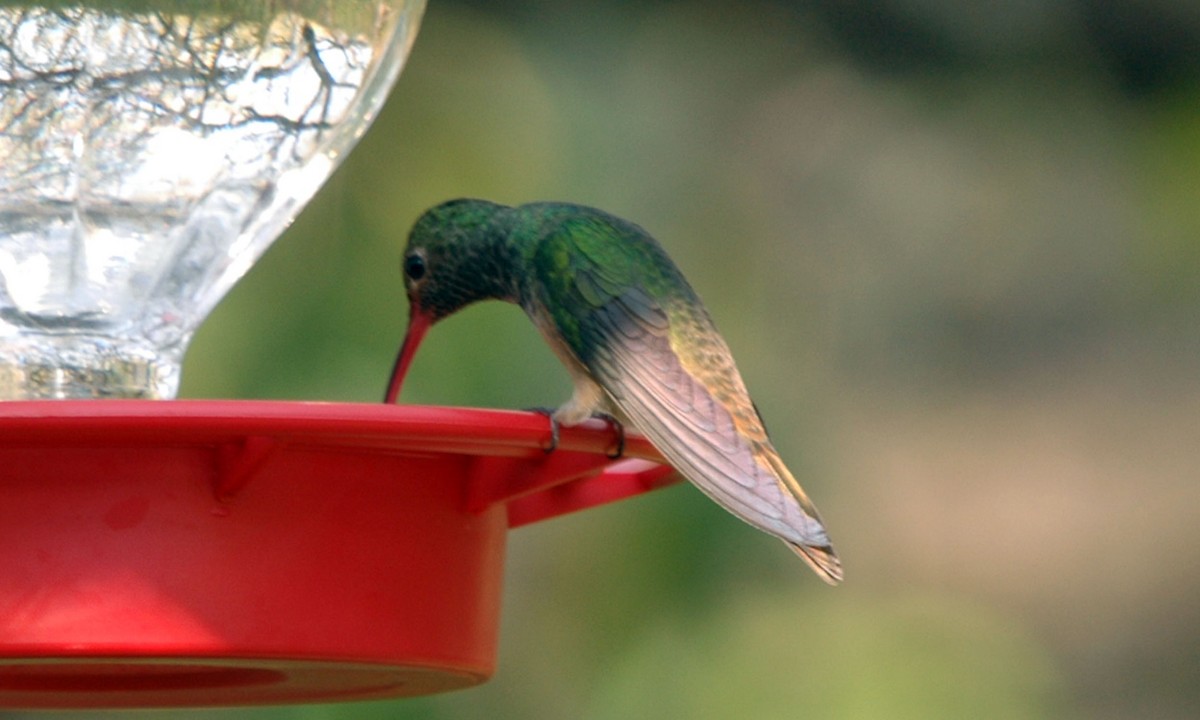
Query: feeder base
x,y
75,683
200,553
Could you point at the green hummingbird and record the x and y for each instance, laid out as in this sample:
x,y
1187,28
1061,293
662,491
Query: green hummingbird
x,y
637,341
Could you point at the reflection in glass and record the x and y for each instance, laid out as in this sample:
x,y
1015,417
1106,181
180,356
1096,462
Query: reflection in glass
x,y
151,151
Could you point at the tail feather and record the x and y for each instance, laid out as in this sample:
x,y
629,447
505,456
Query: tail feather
x,y
820,557
823,560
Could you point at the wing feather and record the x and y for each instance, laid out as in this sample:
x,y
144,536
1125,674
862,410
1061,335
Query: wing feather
x,y
645,342
643,373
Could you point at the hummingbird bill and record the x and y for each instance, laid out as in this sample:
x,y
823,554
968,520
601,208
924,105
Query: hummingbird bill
x,y
636,339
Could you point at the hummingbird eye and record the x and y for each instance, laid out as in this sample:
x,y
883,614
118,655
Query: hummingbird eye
x,y
414,267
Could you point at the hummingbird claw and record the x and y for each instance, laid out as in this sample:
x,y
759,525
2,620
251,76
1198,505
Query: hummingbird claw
x,y
619,429
554,425
553,434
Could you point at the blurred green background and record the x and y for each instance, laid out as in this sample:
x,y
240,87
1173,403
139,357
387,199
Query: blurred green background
x,y
954,247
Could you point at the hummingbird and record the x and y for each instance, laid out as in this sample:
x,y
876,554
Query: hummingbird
x,y
638,343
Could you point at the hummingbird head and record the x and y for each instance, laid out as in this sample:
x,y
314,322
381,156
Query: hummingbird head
x,y
457,254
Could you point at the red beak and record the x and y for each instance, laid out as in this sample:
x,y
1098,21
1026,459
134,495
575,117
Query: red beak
x,y
418,325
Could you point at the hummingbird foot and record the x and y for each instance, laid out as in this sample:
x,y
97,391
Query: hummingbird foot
x,y
554,427
619,428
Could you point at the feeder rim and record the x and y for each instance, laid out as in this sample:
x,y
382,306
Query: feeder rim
x,y
461,430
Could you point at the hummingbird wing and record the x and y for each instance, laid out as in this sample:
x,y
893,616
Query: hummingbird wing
x,y
627,314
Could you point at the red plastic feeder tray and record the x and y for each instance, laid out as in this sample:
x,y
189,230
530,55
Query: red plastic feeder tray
x,y
190,553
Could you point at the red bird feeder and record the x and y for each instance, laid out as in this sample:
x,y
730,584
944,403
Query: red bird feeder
x,y
186,553
192,553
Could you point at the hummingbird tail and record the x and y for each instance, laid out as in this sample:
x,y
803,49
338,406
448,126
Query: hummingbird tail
x,y
820,557
822,560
